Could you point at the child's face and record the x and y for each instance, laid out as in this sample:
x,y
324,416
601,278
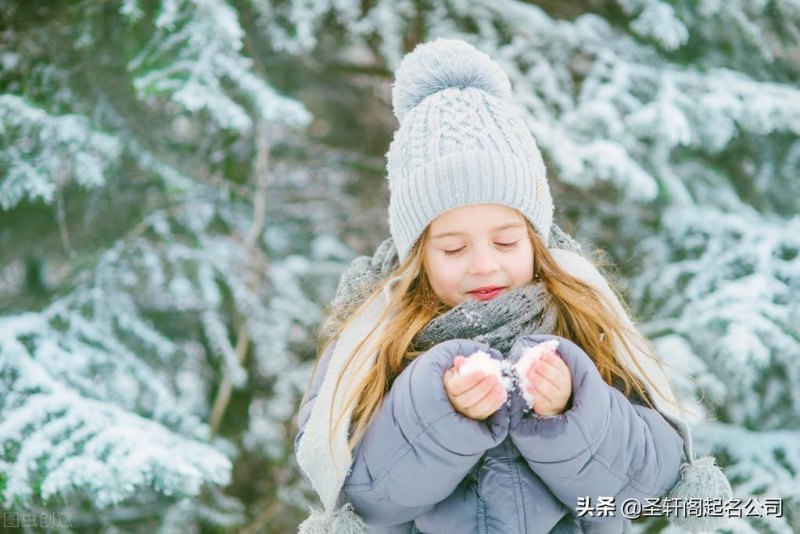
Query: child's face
x,y
487,246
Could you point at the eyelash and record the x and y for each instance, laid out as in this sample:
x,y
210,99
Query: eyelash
x,y
454,252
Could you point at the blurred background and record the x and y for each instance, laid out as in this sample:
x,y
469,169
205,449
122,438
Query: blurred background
x,y
182,182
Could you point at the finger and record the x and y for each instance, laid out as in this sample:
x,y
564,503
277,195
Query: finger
x,y
472,397
485,414
458,362
502,397
556,361
545,388
496,397
478,394
489,404
463,383
539,400
448,380
481,410
563,377
547,371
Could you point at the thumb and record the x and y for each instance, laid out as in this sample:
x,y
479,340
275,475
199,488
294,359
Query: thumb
x,y
458,362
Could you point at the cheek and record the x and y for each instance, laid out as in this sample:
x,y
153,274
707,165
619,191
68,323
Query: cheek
x,y
444,276
523,266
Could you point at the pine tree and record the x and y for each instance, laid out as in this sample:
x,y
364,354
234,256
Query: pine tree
x,y
136,126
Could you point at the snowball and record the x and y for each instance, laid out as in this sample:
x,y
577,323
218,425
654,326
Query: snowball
x,y
483,362
529,356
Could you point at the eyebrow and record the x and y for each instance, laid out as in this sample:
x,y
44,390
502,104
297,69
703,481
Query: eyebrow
x,y
502,227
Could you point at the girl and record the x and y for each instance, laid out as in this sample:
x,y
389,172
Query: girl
x,y
392,434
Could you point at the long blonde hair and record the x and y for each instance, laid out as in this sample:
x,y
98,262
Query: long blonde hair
x,y
582,317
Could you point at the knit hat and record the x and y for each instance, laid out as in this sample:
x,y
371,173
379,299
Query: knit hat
x,y
459,143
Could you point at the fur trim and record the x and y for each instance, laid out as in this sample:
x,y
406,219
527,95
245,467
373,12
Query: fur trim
x,y
327,467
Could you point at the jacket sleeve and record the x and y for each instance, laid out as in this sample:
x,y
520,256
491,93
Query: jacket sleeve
x,y
603,445
418,448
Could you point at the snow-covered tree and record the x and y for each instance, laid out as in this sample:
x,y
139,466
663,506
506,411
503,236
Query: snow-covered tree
x,y
128,322
183,181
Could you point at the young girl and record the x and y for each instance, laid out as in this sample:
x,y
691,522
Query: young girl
x,y
480,375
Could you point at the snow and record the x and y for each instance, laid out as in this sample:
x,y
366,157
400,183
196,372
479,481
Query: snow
x,y
480,361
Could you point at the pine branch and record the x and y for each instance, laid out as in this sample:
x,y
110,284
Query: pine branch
x,y
260,177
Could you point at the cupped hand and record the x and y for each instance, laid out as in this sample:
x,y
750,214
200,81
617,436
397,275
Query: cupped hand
x,y
550,384
475,395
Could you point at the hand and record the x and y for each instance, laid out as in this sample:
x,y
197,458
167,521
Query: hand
x,y
550,384
475,395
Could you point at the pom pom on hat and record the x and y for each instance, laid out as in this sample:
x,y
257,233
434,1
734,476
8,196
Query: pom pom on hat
x,y
434,66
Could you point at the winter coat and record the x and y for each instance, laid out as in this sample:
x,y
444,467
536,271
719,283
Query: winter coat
x,y
421,467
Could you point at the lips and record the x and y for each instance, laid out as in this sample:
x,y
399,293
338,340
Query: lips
x,y
486,292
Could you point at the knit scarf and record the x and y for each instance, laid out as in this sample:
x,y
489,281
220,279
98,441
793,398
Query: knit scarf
x,y
498,322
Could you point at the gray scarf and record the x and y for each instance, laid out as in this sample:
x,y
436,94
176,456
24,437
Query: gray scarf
x,y
498,322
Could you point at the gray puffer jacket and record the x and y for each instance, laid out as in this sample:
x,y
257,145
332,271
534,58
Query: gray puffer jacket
x,y
423,467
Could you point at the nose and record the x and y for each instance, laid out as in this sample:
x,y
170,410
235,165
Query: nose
x,y
483,261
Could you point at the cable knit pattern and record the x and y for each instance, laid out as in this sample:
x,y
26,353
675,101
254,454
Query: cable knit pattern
x,y
459,143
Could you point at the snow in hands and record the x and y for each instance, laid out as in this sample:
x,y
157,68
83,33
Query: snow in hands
x,y
507,373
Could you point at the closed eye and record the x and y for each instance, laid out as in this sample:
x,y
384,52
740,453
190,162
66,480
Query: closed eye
x,y
504,245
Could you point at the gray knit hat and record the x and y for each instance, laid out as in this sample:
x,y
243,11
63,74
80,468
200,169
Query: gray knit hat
x,y
459,143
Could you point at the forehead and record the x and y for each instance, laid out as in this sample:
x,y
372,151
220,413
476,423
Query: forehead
x,y
474,220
